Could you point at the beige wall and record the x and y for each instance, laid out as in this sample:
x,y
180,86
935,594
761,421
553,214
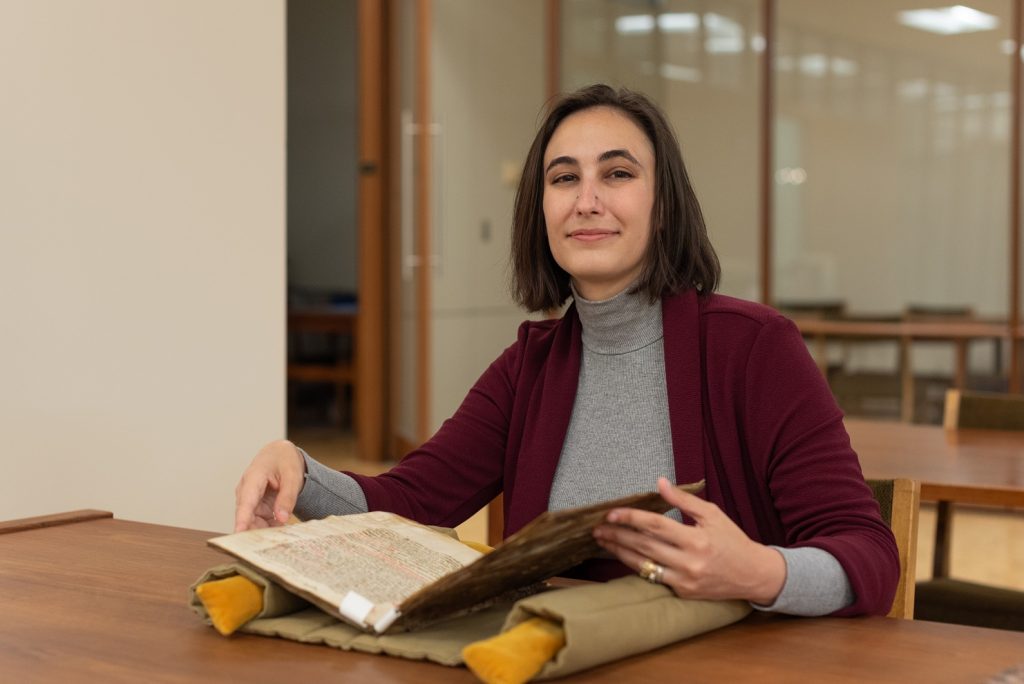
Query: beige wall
x,y
141,253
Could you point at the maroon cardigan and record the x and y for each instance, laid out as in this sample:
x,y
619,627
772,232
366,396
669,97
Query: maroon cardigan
x,y
750,413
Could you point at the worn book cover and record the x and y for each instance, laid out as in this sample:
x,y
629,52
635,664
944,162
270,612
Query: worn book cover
x,y
383,573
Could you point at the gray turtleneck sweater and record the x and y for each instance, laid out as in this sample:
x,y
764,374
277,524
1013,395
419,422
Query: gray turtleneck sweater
x,y
619,442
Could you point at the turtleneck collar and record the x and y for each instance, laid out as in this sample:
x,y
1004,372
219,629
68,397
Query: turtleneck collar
x,y
619,325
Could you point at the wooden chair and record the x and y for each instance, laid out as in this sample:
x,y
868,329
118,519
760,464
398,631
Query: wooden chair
x,y
830,309
983,411
942,598
338,323
899,501
922,403
929,312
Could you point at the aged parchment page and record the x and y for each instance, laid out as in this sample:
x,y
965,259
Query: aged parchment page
x,y
381,557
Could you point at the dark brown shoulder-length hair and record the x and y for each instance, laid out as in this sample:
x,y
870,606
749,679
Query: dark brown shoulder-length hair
x,y
679,255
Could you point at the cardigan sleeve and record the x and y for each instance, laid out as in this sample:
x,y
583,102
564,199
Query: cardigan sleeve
x,y
458,470
795,431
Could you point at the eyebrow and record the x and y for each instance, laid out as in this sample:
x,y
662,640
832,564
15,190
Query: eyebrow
x,y
605,156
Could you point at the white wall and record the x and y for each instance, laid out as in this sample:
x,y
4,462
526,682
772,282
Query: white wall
x,y
141,253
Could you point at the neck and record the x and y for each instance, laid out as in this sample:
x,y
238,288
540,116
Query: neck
x,y
600,292
623,323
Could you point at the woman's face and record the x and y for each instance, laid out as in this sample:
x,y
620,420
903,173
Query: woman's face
x,y
598,196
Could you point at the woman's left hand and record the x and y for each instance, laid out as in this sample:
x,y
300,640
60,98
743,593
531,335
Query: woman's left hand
x,y
713,559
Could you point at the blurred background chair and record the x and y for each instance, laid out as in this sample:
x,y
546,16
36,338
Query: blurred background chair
x,y
943,598
931,381
983,411
899,501
830,309
321,359
862,372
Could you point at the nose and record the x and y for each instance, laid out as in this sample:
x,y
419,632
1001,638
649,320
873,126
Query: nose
x,y
587,202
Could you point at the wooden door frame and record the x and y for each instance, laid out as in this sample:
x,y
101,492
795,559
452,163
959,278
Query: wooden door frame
x,y
1015,197
423,120
371,416
395,444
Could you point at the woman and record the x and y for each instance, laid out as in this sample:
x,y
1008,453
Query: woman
x,y
648,377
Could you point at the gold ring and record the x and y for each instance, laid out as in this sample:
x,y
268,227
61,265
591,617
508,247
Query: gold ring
x,y
651,571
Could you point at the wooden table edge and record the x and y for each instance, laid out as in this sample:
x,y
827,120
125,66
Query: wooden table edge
x,y
66,518
973,494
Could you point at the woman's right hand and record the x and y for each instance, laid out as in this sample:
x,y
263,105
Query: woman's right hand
x,y
266,494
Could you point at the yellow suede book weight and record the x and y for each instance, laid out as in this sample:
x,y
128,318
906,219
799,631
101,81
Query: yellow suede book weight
x,y
515,656
231,602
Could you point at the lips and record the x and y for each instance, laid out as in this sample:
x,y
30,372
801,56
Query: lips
x,y
592,234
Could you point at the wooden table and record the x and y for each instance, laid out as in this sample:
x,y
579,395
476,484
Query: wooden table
x,y
104,600
959,333
981,467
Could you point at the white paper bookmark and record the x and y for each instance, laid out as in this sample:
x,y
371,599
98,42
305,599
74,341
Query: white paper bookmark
x,y
355,607
385,620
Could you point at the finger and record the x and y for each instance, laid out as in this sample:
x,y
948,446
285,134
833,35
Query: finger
x,y
634,559
628,556
264,511
242,522
247,496
287,493
664,547
643,521
693,506
290,471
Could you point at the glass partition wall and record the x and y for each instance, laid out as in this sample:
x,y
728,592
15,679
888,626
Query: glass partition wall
x,y
700,60
890,172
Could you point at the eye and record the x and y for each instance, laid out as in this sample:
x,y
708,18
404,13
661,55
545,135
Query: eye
x,y
563,178
621,174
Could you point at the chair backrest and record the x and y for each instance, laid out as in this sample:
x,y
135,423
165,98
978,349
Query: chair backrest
x,y
983,411
899,501
925,312
812,308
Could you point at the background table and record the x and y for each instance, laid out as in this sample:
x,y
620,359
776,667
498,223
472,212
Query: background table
x,y
981,467
904,333
984,467
105,600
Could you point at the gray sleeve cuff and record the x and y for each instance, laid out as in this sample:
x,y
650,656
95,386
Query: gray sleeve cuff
x,y
816,584
327,492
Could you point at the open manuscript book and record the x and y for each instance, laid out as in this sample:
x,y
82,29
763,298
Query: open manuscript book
x,y
383,573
